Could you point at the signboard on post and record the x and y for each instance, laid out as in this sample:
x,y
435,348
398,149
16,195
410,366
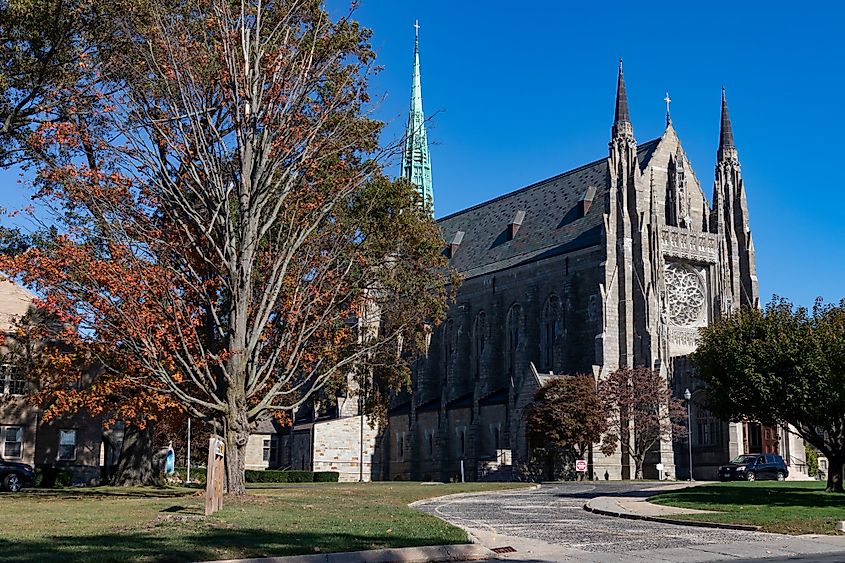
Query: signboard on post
x,y
581,465
214,476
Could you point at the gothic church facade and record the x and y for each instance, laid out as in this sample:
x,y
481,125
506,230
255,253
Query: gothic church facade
x,y
616,263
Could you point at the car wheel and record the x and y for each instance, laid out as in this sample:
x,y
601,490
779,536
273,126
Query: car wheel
x,y
12,483
780,476
750,476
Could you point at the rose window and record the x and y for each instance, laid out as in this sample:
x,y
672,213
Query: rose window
x,y
685,293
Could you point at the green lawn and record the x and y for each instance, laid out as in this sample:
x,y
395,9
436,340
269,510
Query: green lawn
x,y
787,507
114,524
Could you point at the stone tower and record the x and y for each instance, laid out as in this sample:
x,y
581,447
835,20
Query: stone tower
x,y
729,219
416,162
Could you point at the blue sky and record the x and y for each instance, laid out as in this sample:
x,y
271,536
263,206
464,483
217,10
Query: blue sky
x,y
520,92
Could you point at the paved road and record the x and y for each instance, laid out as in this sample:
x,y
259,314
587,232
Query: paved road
x,y
550,524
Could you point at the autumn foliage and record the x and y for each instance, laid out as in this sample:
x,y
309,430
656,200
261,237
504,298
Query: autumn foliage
x,y
219,239
641,412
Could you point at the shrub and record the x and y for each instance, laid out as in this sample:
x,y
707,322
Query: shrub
x,y
275,476
198,474
326,476
52,478
812,457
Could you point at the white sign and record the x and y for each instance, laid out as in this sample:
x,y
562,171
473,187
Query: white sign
x,y
581,465
659,467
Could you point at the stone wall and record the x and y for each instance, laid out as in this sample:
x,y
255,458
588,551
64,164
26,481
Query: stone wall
x,y
337,447
254,456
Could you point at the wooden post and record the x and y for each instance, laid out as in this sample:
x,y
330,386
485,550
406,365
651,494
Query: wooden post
x,y
214,476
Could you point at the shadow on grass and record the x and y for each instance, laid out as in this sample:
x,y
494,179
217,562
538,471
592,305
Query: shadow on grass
x,y
198,545
94,492
756,494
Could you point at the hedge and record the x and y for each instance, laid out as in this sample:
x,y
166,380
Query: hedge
x,y
52,478
326,476
292,476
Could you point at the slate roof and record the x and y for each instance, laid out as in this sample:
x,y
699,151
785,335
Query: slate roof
x,y
552,224
268,426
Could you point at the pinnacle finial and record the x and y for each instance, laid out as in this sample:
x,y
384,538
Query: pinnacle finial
x,y
622,114
417,28
726,135
668,101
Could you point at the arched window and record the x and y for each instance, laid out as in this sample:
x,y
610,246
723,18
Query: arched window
x,y
550,332
479,342
448,350
515,328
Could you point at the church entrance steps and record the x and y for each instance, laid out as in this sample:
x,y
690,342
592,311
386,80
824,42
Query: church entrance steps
x,y
492,471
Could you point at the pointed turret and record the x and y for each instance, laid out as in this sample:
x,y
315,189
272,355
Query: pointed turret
x,y
730,220
416,162
622,117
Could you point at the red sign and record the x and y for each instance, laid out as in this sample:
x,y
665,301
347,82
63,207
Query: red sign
x,y
581,465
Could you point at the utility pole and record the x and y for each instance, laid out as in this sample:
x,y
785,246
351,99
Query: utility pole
x,y
188,476
688,397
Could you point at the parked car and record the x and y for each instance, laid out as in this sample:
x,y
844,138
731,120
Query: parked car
x,y
750,467
15,476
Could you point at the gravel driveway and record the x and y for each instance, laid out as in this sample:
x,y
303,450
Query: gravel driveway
x,y
550,524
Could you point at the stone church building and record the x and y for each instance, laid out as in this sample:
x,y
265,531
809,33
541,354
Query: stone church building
x,y
618,262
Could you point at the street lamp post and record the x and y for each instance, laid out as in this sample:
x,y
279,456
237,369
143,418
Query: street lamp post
x,y
688,396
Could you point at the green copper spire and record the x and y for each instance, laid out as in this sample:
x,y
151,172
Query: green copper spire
x,y
416,164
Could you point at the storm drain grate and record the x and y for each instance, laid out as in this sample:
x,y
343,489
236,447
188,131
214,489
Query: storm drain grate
x,y
506,549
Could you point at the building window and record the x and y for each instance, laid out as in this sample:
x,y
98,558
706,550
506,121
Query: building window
x,y
462,442
12,381
12,442
448,349
550,331
514,341
480,333
430,445
67,445
267,450
400,446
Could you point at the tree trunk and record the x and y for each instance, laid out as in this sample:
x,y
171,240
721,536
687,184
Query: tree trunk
x,y
236,430
835,465
638,468
134,466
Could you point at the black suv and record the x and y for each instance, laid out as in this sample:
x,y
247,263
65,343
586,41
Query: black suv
x,y
15,476
751,467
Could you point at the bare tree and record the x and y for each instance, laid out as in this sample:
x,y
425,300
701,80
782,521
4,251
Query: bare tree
x,y
227,233
642,412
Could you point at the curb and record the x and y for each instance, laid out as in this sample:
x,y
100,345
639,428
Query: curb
x,y
425,554
662,520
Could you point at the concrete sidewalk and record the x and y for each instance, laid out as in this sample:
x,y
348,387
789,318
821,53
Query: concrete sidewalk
x,y
459,552
639,508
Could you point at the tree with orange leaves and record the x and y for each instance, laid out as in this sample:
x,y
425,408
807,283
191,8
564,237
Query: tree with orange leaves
x,y
224,239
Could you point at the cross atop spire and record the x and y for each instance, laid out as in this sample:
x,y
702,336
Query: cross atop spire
x,y
622,117
416,163
668,101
